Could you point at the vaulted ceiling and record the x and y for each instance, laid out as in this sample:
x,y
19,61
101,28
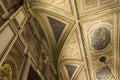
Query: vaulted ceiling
x,y
80,34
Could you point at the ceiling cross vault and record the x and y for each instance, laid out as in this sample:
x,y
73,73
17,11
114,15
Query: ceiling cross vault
x,y
81,34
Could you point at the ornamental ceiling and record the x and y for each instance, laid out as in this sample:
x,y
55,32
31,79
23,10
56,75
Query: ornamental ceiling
x,y
81,35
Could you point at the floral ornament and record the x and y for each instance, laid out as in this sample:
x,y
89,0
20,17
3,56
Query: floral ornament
x,y
6,72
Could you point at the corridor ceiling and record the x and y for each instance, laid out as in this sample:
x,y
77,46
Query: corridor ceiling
x,y
80,34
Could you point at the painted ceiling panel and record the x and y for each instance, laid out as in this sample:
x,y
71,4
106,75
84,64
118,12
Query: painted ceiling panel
x,y
98,40
103,73
71,49
101,49
71,57
15,59
70,69
57,27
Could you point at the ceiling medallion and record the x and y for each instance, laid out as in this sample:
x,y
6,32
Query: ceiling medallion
x,y
103,73
100,38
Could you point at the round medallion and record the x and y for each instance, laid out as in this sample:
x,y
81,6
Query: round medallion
x,y
103,73
100,38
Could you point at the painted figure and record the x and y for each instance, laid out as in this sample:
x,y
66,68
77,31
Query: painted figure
x,y
100,38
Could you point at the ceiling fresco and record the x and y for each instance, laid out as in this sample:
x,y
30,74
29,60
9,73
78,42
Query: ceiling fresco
x,y
57,27
70,69
100,38
101,49
83,36
71,58
71,49
103,73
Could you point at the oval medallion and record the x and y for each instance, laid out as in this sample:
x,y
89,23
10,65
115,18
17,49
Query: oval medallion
x,y
100,38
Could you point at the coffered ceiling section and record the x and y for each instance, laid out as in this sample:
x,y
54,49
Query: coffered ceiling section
x,y
100,38
86,6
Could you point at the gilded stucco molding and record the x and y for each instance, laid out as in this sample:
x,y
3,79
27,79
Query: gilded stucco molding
x,y
92,6
99,15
